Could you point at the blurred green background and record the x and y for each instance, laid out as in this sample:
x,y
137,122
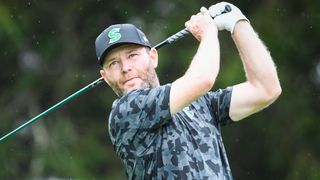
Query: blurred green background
x,y
47,53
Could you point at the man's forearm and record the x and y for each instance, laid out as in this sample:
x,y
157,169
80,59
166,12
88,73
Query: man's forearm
x,y
206,61
199,77
259,67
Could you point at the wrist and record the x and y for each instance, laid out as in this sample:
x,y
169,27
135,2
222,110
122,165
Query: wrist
x,y
211,32
240,24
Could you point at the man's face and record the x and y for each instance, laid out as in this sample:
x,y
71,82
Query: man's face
x,y
130,67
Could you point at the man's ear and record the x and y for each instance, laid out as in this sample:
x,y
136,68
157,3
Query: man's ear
x,y
154,57
104,75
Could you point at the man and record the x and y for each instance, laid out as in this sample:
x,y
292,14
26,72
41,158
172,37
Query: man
x,y
172,131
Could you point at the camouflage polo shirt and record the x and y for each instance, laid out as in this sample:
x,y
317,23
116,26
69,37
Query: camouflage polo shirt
x,y
153,144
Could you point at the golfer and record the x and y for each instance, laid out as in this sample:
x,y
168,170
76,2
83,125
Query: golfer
x,y
172,131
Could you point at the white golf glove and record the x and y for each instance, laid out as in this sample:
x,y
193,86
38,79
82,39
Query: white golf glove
x,y
228,20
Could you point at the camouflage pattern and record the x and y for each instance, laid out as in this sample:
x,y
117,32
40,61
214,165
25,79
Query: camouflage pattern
x,y
152,144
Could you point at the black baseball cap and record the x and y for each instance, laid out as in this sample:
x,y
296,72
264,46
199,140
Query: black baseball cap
x,y
116,35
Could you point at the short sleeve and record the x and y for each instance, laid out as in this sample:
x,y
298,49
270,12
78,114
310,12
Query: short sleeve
x,y
220,103
140,112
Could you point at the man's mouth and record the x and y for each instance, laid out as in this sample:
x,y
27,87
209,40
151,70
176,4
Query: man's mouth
x,y
130,80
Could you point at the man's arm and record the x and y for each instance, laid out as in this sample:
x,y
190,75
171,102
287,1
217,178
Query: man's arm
x,y
204,67
262,87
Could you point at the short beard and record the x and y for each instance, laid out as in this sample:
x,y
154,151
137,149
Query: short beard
x,y
150,81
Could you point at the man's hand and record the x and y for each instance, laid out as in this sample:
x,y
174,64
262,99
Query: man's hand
x,y
201,24
226,21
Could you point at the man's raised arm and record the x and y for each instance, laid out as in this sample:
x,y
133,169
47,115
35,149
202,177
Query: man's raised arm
x,y
262,86
204,66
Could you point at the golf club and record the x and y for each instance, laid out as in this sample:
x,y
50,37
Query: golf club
x,y
169,40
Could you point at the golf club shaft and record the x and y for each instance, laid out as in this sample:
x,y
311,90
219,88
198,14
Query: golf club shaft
x,y
184,31
72,96
169,40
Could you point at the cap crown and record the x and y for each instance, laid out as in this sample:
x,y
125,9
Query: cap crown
x,y
116,35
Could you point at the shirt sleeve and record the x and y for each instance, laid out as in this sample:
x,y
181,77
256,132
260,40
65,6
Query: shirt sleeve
x,y
220,103
139,113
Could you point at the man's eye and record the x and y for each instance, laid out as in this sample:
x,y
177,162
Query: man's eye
x,y
112,63
132,55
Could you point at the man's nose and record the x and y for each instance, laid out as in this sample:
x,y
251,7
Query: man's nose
x,y
126,66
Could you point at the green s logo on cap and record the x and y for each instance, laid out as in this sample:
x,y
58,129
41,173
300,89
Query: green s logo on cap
x,y
114,35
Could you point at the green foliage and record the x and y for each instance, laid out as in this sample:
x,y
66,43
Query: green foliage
x,y
47,53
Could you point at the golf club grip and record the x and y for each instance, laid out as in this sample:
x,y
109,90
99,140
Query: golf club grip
x,y
184,31
172,38
177,35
